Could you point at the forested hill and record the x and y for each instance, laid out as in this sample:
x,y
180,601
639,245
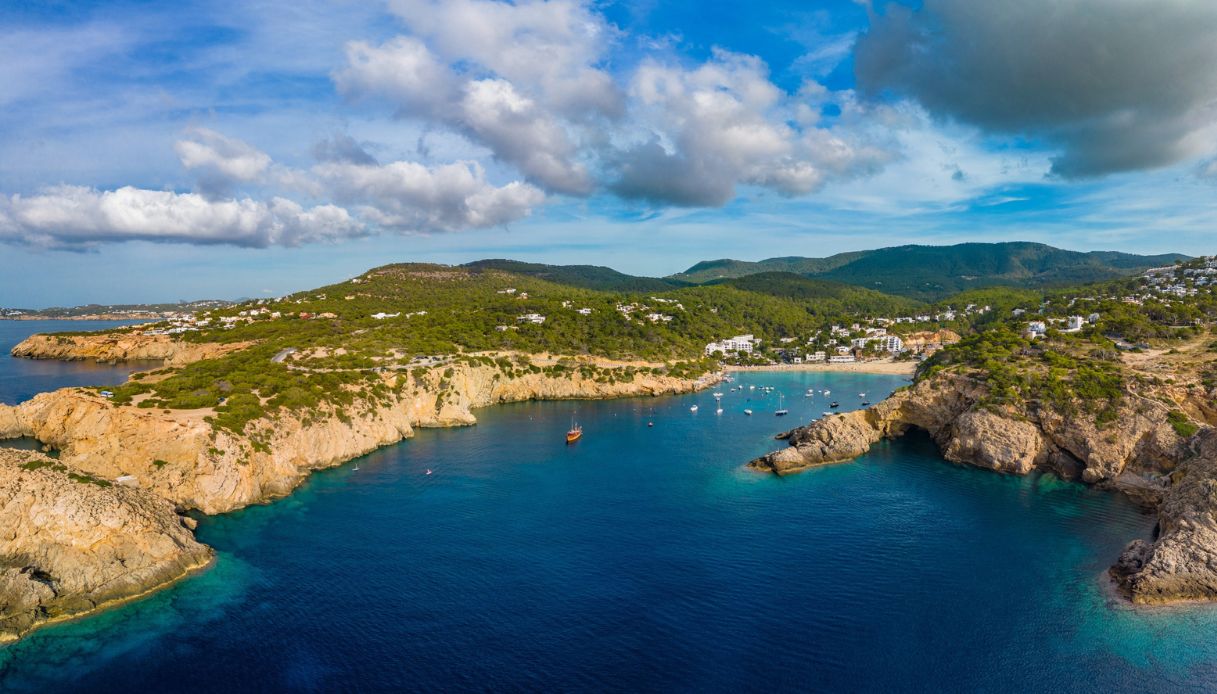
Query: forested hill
x,y
934,272
583,276
829,296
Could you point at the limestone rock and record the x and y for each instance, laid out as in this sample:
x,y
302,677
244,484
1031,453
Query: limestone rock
x,y
70,544
121,347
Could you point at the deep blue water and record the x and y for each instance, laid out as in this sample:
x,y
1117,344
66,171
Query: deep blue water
x,y
21,379
645,559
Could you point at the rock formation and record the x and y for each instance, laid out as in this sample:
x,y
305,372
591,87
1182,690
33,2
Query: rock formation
x,y
70,543
120,346
1140,455
99,524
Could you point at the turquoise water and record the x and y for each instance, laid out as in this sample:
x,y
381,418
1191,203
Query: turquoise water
x,y
646,559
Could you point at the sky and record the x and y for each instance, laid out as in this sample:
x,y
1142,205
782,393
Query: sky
x,y
155,151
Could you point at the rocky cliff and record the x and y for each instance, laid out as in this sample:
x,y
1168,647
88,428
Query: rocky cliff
x,y
1139,454
118,346
73,546
70,544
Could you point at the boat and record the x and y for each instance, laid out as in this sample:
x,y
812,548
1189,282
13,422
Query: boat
x,y
693,409
835,404
575,432
718,411
751,387
718,395
780,411
428,471
356,468
862,395
865,403
827,414
748,412
650,424
828,392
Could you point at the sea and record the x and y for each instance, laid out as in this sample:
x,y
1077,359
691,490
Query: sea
x,y
640,559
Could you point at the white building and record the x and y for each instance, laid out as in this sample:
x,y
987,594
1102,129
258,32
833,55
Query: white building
x,y
739,343
534,318
841,359
382,315
1075,323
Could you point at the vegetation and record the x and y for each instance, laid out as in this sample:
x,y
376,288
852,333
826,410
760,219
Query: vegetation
x,y
930,273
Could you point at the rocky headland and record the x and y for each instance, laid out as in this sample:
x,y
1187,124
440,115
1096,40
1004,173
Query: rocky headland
x,y
71,543
121,347
69,546
1140,454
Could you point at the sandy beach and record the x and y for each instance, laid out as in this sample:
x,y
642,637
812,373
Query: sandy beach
x,y
883,366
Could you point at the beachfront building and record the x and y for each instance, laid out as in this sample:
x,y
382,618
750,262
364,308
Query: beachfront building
x,y
740,343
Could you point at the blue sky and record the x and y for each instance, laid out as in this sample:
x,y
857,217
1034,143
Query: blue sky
x,y
159,151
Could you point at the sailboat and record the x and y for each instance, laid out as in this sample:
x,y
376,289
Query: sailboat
x,y
575,432
781,411
693,409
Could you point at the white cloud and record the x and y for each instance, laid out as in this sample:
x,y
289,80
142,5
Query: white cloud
x,y
79,217
220,161
489,111
407,196
724,123
548,48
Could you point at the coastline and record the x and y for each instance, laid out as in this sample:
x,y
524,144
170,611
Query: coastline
x,y
884,366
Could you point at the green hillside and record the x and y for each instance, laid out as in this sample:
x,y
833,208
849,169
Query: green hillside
x,y
583,276
824,297
709,270
930,273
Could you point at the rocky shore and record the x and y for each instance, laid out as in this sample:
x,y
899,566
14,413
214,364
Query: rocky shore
x,y
71,544
149,463
120,347
1141,455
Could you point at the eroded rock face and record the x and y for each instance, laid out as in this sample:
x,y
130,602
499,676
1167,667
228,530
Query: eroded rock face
x,y
1017,440
69,545
121,347
1182,563
181,457
986,439
1140,455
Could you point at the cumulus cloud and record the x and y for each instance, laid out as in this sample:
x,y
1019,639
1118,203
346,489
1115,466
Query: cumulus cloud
x,y
80,217
411,197
548,48
221,161
528,81
1116,85
489,111
725,123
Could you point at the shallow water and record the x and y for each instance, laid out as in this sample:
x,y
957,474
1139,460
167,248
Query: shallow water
x,y
646,559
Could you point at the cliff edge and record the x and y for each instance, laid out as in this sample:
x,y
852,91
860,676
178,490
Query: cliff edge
x,y
1139,454
71,543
